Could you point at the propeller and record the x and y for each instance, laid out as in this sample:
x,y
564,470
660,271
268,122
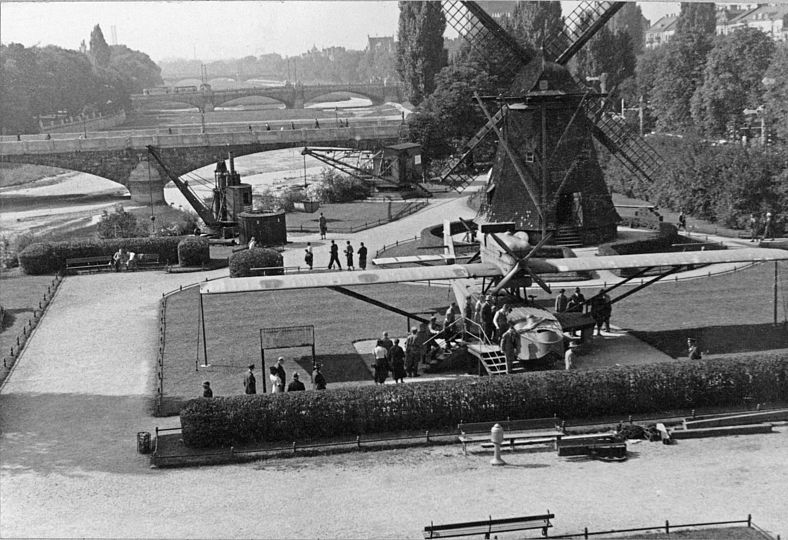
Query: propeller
x,y
521,263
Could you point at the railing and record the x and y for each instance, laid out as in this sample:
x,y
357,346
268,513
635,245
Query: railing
x,y
408,210
667,527
395,244
27,329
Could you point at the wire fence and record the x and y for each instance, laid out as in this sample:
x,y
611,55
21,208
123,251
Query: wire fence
x,y
667,528
410,209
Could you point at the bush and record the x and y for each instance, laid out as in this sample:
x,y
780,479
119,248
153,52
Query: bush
x,y
39,258
119,224
441,405
194,251
241,263
336,188
33,260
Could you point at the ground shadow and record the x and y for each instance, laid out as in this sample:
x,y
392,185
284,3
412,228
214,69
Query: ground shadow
x,y
71,434
719,339
337,367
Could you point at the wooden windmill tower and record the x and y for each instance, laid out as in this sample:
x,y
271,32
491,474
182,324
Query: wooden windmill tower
x,y
546,178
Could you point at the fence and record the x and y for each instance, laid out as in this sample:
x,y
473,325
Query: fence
x,y
27,329
412,208
667,528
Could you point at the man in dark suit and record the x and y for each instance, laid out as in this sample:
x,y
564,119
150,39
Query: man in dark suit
x,y
295,385
334,256
561,301
250,383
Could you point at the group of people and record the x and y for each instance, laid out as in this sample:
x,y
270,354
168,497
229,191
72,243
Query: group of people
x,y
767,227
277,377
124,259
334,256
390,357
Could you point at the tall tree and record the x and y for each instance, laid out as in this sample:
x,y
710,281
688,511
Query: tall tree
x,y
776,96
608,53
732,80
99,50
680,71
420,53
630,19
534,23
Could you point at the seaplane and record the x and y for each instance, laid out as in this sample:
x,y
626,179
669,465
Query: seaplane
x,y
506,264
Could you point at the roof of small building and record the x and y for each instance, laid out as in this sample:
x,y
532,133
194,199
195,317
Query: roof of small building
x,y
664,24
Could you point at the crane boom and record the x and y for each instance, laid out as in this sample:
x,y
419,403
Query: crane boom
x,y
191,197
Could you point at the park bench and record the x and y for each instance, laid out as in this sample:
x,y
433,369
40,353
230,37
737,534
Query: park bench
x,y
97,263
490,526
516,432
145,260
599,445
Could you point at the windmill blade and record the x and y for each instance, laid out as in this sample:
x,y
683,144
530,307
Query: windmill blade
x,y
579,27
485,35
632,150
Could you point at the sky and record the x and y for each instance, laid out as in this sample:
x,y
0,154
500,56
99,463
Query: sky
x,y
213,30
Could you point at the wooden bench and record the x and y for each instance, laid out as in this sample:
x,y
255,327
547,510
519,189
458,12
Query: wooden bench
x,y
97,263
490,526
515,432
599,445
144,260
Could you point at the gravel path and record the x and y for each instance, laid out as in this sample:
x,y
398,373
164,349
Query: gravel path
x,y
68,464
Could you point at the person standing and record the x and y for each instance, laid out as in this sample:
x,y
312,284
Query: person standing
x,y
693,350
561,301
318,380
451,324
321,221
349,256
334,256
576,301
601,309
753,228
309,257
500,321
206,389
768,227
295,385
569,355
250,383
397,361
252,243
682,221
412,354
362,256
381,365
280,371
273,377
487,317
510,345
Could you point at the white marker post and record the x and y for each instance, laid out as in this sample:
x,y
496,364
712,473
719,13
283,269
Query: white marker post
x,y
496,436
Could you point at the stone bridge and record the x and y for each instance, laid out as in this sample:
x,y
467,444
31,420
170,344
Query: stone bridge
x,y
124,159
293,96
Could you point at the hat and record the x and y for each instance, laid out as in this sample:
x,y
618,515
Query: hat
x,y
251,366
295,375
280,359
206,384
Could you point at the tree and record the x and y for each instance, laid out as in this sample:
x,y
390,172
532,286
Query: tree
x,y
118,224
776,96
732,80
535,23
99,50
607,53
420,53
630,19
137,68
680,71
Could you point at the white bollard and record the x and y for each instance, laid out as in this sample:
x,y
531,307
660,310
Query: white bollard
x,y
496,436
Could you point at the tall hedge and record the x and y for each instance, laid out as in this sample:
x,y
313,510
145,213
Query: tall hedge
x,y
241,263
194,251
49,257
620,390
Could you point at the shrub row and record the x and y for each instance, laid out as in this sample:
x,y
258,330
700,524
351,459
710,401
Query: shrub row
x,y
443,404
242,262
49,257
194,251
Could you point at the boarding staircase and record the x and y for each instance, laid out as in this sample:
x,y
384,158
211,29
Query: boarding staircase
x,y
490,355
567,236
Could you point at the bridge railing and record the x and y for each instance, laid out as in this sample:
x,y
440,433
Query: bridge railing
x,y
111,140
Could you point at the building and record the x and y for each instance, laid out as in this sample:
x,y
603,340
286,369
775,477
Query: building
x,y
661,31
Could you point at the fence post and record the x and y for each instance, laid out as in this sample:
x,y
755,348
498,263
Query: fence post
x,y
667,527
749,520
585,533
428,436
358,441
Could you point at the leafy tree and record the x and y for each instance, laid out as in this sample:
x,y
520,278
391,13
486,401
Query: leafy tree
x,y
608,53
99,50
680,70
137,68
776,95
118,224
732,80
535,23
18,72
630,19
420,53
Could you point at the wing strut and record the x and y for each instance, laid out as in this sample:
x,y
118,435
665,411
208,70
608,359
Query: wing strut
x,y
378,303
647,283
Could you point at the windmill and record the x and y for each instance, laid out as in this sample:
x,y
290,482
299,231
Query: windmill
x,y
546,178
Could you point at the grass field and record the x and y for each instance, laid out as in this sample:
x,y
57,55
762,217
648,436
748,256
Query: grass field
x,y
233,322
19,296
344,217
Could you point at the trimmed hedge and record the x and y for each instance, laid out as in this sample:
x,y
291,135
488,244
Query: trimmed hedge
x,y
241,263
619,390
49,257
194,251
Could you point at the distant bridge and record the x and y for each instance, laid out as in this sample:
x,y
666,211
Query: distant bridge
x,y
123,157
292,96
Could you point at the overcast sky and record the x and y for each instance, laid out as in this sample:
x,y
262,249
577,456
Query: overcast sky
x,y
216,29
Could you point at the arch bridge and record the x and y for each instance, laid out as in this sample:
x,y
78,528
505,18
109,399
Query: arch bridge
x,y
123,157
294,96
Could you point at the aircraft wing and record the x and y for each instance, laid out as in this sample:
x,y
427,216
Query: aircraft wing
x,y
411,259
348,279
614,262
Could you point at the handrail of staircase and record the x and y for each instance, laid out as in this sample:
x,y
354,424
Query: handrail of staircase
x,y
435,336
483,337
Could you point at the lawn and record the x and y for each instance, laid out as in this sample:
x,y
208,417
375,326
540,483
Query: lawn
x,y
20,294
233,323
351,217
